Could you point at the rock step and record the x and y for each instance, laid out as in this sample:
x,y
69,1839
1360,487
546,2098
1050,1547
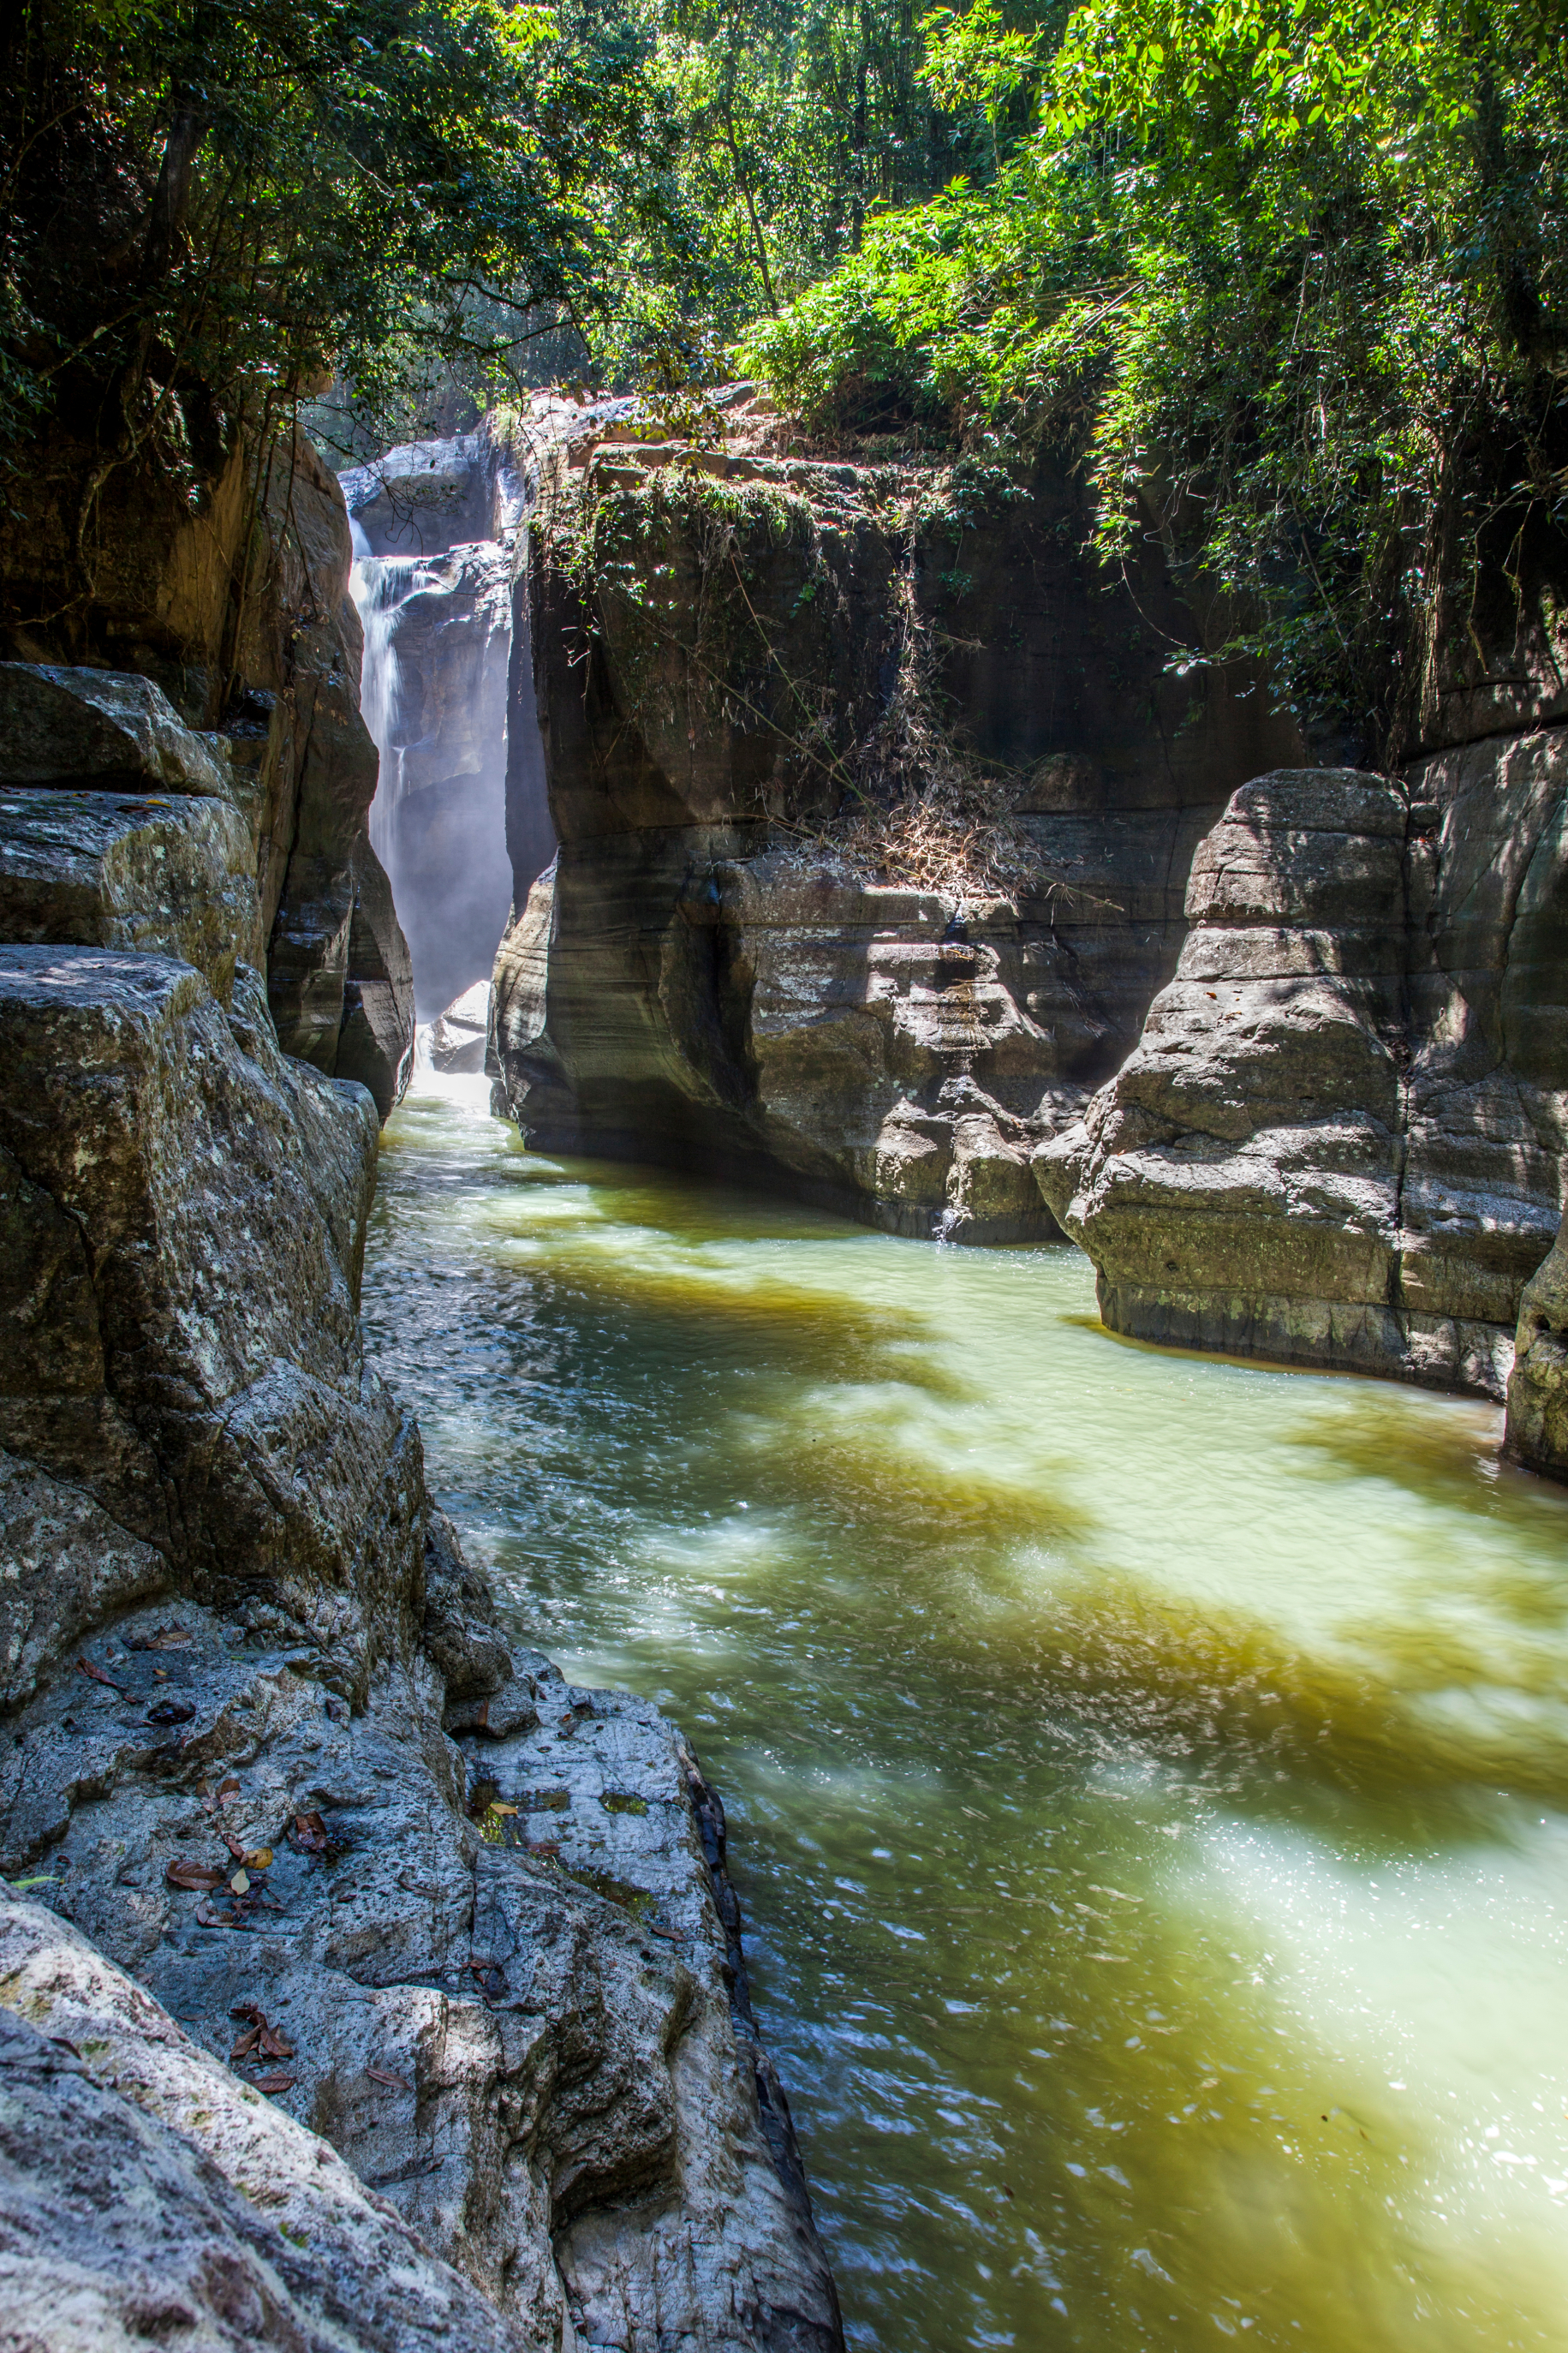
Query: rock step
x,y
172,876
112,728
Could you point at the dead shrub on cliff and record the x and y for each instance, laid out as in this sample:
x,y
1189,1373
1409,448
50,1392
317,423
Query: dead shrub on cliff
x,y
893,795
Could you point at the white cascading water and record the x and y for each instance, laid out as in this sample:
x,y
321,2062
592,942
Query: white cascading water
x,y
437,622
378,586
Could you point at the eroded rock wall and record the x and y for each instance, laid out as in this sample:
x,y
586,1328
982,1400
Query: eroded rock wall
x,y
232,598
1339,1138
719,635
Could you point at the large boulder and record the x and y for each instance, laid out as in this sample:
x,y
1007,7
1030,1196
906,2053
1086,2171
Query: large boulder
x,y
492,1972
93,727
1339,1138
459,1035
145,2191
170,874
187,1209
1536,1432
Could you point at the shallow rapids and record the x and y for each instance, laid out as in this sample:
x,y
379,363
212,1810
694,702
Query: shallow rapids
x,y
1148,1776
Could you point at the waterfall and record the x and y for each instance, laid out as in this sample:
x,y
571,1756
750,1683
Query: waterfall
x,y
433,692
434,527
379,584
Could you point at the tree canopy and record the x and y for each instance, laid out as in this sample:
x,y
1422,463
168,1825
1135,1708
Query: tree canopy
x,y
250,195
1288,278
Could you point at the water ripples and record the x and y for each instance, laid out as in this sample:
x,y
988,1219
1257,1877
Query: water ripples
x,y
1147,1772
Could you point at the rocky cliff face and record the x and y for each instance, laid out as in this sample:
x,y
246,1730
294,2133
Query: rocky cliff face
x,y
233,603
1282,1046
1339,1138
466,2051
723,638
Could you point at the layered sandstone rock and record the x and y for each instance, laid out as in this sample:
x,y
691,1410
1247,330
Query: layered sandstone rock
x,y
1537,1426
110,729
1339,1138
238,617
822,1033
126,870
721,636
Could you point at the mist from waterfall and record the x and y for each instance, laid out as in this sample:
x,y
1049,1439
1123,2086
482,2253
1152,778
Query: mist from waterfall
x,y
433,692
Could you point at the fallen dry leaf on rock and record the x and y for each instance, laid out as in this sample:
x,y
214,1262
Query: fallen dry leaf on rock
x,y
171,1637
97,1675
276,2083
183,1873
267,2041
310,1833
257,1857
386,2075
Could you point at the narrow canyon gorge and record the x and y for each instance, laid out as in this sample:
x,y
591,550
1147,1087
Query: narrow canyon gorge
x,y
369,1980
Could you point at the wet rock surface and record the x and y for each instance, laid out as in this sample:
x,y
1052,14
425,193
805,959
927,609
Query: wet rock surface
x,y
146,2192
514,2025
1339,1138
457,1036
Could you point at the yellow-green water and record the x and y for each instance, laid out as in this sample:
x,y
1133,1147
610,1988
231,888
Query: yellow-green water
x,y
1147,1774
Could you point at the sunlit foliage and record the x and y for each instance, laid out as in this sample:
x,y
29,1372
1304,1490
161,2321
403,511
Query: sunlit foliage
x,y
247,195
1289,278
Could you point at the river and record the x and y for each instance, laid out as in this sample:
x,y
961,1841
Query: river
x,y
1147,1774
